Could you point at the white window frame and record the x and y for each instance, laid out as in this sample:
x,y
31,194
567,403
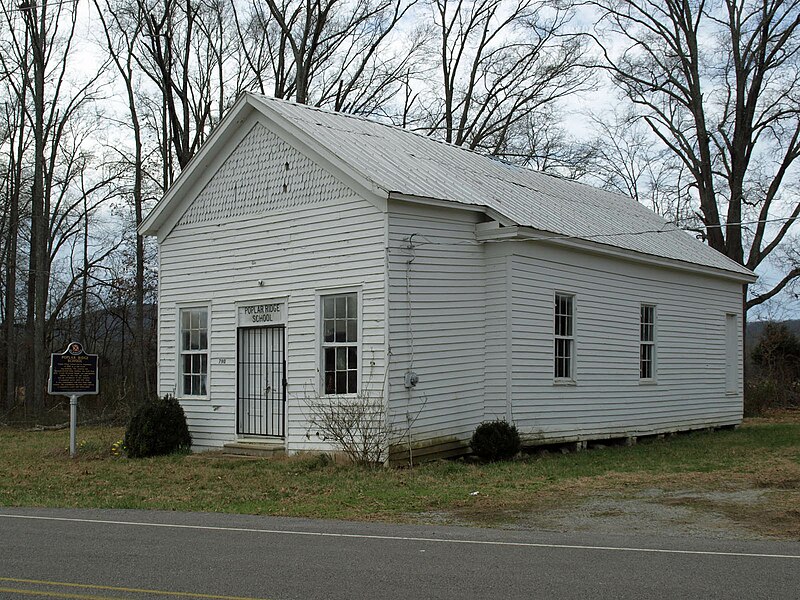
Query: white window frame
x,y
570,378
651,343
321,294
180,352
732,356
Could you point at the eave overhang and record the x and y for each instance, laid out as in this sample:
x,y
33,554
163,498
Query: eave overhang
x,y
495,232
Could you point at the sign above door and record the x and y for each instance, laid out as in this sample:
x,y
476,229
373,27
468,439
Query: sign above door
x,y
263,313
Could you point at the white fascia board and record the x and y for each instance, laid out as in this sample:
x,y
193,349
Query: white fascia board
x,y
198,165
443,203
321,155
525,234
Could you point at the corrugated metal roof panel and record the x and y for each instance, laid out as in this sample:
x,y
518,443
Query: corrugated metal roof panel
x,y
405,162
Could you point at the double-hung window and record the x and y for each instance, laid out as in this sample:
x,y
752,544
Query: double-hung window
x,y
194,351
564,334
647,342
340,343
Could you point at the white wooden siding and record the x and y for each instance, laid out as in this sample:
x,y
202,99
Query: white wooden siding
x,y
244,228
446,324
482,321
608,398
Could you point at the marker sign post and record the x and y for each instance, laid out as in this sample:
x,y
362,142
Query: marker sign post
x,y
73,373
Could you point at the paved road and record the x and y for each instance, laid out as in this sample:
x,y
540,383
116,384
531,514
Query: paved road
x,y
101,554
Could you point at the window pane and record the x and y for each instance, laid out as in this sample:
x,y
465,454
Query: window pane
x,y
203,339
185,319
327,307
330,359
187,363
194,319
203,319
187,385
203,385
328,327
194,339
352,357
352,330
341,330
341,359
352,380
341,307
330,382
352,306
341,382
185,340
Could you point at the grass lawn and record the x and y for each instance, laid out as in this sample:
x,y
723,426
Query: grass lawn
x,y
35,470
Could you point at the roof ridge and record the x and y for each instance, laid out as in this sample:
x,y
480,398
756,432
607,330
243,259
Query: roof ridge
x,y
365,119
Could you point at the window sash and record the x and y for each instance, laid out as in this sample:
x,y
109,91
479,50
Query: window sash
x,y
647,341
339,344
563,334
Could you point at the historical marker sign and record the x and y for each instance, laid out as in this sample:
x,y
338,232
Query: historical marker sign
x,y
73,373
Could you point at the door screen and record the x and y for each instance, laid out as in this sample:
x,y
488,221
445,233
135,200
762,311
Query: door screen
x,y
261,381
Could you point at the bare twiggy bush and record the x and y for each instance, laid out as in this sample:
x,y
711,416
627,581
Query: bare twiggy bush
x,y
356,425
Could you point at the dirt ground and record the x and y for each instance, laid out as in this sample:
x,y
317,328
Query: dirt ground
x,y
760,505
741,514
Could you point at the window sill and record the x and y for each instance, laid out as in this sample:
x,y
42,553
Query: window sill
x,y
190,398
648,381
565,382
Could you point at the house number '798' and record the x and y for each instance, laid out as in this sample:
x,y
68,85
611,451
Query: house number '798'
x,y
222,361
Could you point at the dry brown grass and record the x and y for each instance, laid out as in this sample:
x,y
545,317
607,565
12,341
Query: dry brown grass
x,y
763,456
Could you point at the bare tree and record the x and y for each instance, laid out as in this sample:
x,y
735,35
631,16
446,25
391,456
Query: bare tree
x,y
122,28
42,37
15,142
178,50
346,55
628,159
502,64
718,85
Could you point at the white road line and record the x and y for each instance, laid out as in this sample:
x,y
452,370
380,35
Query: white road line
x,y
403,538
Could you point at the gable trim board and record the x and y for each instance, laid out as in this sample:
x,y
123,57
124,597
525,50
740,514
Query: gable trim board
x,y
455,289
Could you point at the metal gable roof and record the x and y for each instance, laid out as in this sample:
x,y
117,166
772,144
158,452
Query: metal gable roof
x,y
391,160
403,162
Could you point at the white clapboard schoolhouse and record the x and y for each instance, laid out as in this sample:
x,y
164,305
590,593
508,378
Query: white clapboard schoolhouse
x,y
306,254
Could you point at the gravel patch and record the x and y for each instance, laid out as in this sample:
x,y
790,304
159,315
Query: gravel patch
x,y
648,514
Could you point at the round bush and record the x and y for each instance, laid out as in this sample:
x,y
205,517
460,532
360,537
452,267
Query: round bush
x,y
495,440
156,428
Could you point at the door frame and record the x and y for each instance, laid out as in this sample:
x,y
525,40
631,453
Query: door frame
x,y
282,422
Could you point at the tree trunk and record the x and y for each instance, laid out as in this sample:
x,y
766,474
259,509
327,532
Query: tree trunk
x,y
39,254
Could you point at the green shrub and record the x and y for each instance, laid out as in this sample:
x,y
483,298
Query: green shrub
x,y
495,440
158,427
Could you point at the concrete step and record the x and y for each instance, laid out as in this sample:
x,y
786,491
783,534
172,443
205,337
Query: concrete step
x,y
255,449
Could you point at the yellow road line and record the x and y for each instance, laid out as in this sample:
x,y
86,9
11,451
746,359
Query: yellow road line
x,y
55,594
114,589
